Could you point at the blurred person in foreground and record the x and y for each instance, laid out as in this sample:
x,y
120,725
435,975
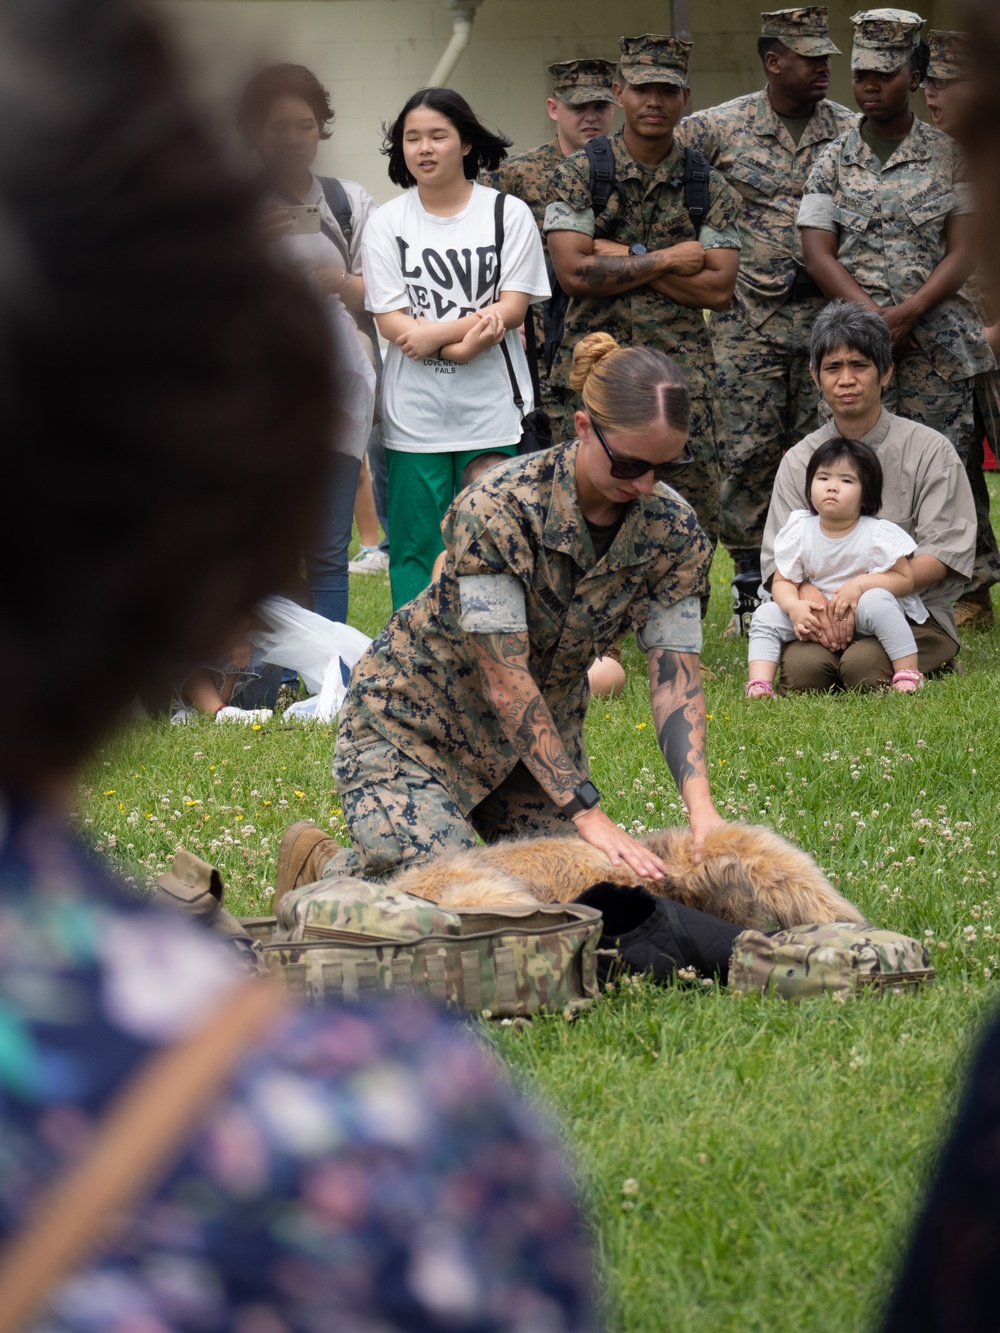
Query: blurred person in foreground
x,y
357,1169
948,1282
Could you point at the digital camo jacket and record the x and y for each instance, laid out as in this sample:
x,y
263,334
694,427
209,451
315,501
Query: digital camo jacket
x,y
418,685
891,226
646,208
529,176
747,142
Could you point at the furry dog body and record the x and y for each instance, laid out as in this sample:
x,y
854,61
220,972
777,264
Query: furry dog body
x,y
748,875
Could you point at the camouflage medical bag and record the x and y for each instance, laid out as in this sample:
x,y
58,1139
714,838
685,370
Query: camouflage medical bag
x,y
353,940
833,959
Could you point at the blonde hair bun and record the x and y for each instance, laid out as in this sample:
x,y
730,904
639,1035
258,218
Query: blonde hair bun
x,y
587,354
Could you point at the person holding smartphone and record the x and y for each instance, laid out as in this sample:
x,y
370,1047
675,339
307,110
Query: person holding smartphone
x,y
284,114
465,717
450,308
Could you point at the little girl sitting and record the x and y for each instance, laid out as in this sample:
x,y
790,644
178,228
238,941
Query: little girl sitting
x,y
841,550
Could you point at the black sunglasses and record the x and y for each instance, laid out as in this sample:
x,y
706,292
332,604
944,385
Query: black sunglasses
x,y
628,469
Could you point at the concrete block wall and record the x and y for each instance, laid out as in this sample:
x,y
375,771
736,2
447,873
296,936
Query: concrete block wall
x,y
373,53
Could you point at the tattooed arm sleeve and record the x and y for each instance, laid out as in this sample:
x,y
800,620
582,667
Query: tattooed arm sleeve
x,y
679,716
524,715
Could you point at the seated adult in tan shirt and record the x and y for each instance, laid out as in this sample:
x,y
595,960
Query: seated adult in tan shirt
x,y
925,490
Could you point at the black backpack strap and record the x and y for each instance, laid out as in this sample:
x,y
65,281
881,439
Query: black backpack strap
x,y
499,235
696,187
602,185
339,205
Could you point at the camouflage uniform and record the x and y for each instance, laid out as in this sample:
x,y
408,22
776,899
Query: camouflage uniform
x,y
529,177
649,208
762,342
422,762
891,223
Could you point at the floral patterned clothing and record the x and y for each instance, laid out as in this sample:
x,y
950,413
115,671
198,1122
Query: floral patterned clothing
x,y
365,1170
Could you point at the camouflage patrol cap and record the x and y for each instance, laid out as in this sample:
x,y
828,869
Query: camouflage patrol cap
x,y
950,55
580,81
653,58
805,31
885,39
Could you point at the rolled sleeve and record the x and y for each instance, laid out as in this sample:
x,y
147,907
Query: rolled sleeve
x,y
562,217
491,604
675,628
819,211
724,238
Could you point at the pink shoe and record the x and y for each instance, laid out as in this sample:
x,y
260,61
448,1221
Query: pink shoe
x,y
907,682
759,689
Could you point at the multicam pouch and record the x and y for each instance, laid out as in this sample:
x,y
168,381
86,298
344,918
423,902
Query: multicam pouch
x,y
353,939
832,959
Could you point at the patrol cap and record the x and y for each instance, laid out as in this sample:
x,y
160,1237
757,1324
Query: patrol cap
x,y
950,55
653,58
805,31
580,81
884,39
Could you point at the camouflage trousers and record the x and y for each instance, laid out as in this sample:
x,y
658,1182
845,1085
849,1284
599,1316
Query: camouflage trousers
x,y
398,814
986,571
700,481
768,403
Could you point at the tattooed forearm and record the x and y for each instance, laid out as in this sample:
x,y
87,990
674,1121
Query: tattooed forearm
x,y
628,270
508,649
679,714
524,715
541,748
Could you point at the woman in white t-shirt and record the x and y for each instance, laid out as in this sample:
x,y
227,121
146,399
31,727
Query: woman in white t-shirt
x,y
284,114
432,282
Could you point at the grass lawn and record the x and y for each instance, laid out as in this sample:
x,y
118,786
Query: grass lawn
x,y
745,1165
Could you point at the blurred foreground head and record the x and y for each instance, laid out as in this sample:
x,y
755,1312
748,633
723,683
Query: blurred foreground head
x,y
164,388
981,135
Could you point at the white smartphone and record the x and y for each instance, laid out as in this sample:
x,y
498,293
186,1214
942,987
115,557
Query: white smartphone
x,y
305,220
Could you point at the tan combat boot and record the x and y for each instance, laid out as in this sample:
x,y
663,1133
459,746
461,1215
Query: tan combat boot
x,y
303,853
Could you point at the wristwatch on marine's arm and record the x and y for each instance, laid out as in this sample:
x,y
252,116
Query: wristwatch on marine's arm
x,y
637,248
585,797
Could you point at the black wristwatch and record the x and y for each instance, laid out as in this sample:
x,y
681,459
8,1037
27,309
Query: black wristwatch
x,y
585,797
637,248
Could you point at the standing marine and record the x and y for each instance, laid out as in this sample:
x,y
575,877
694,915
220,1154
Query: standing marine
x,y
766,144
641,267
582,106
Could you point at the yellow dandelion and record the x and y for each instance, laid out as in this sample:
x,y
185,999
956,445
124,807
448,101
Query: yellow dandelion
x,y
255,727
640,726
190,803
299,794
267,802
110,793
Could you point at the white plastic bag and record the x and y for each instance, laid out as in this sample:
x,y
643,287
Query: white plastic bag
x,y
314,647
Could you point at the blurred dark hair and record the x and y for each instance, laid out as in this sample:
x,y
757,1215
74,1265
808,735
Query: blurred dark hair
x,y
765,44
866,464
920,60
475,467
274,81
487,150
164,388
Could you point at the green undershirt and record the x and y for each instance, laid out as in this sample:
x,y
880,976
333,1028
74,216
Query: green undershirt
x,y
796,126
603,534
882,148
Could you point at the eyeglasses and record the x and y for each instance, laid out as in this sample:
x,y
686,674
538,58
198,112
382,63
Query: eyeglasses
x,y
624,468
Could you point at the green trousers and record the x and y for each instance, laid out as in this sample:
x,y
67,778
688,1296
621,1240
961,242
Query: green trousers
x,y
421,487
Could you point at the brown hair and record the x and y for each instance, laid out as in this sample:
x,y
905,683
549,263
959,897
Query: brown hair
x,y
628,388
275,81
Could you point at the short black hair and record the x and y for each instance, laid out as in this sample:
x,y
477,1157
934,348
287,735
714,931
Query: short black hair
x,y
866,464
921,60
184,451
475,468
847,324
766,44
274,81
487,149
